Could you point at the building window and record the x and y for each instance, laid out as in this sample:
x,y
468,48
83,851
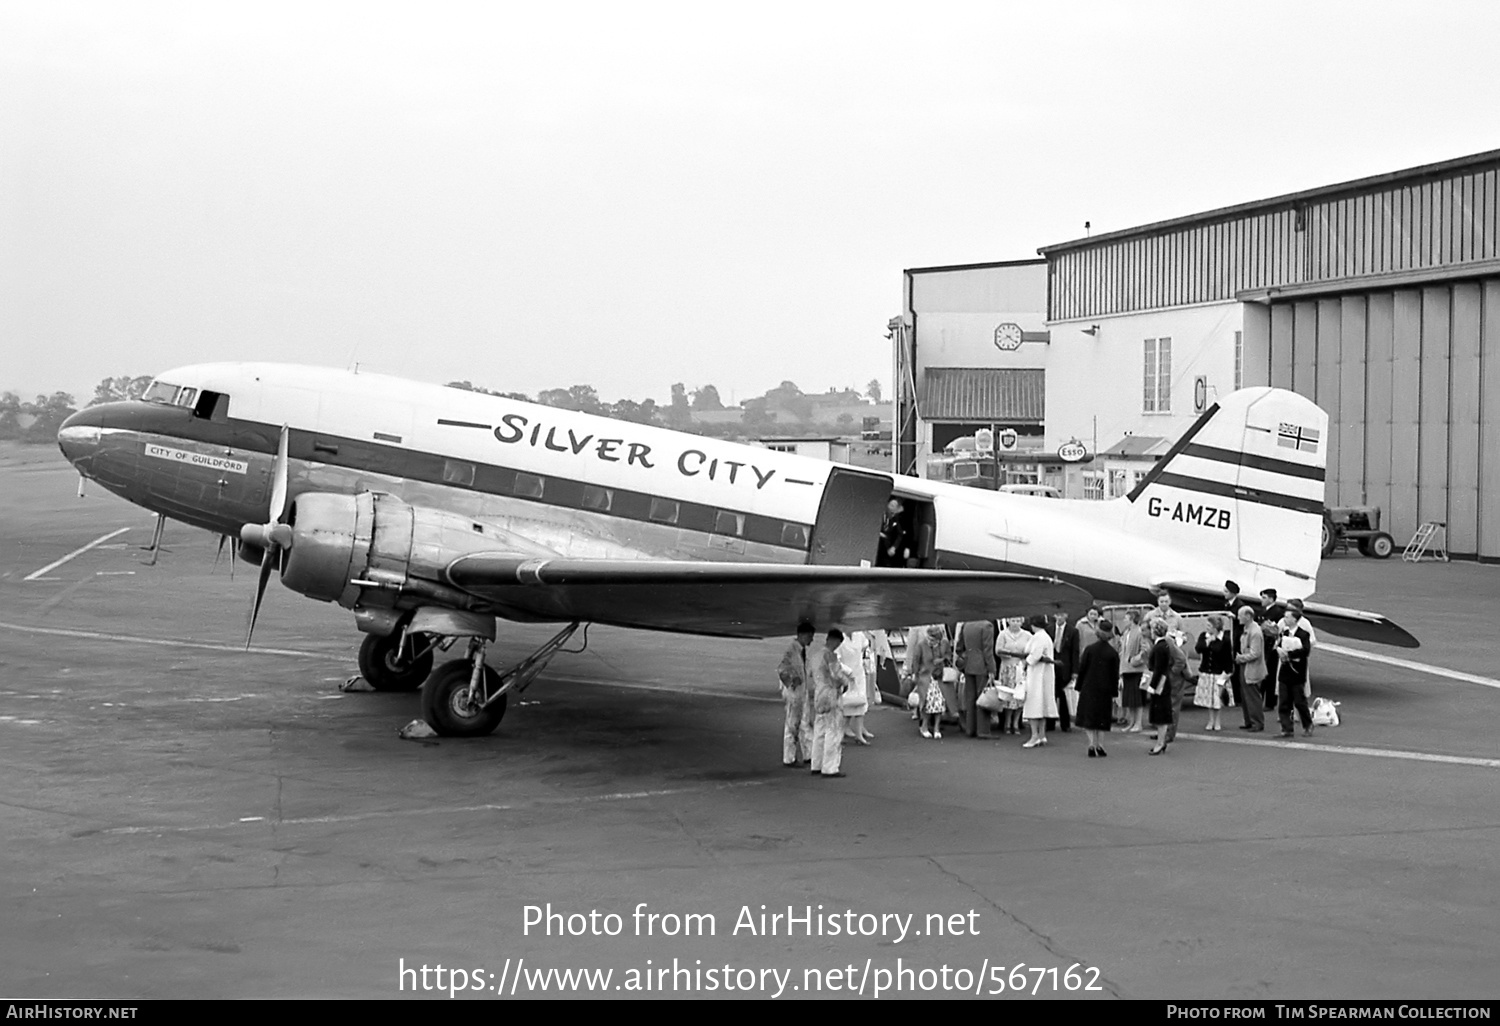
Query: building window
x,y
528,486
597,498
664,511
1239,360
1093,484
1119,483
729,523
1157,394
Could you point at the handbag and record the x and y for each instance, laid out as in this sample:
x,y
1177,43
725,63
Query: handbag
x,y
1016,693
1071,694
1325,713
989,699
850,701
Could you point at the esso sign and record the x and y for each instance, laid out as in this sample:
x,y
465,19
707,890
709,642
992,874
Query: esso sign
x,y
1071,452
984,440
1007,439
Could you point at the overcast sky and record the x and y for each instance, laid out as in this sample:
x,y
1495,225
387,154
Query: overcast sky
x,y
629,194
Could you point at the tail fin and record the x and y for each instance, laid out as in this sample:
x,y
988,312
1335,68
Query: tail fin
x,y
1244,482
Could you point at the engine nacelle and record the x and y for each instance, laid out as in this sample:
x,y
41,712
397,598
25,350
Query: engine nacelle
x,y
395,548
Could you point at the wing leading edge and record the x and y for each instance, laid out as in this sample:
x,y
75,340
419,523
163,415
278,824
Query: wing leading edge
x,y
750,600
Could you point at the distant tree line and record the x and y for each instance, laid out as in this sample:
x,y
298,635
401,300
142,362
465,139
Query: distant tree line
x,y
39,419
760,413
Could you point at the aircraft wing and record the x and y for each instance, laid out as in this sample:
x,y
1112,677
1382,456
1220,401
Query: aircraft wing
x,y
748,600
1346,623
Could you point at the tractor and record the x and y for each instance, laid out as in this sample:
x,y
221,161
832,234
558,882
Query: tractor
x,y
1360,524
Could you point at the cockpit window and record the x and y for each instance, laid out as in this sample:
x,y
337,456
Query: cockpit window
x,y
172,395
161,392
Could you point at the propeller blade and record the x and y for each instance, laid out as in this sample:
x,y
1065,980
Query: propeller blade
x,y
220,554
260,593
278,477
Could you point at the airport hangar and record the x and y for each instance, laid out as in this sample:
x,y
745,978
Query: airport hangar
x,y
1378,298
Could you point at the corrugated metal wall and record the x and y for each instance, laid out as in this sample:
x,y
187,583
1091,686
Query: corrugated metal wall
x,y
1441,222
1411,382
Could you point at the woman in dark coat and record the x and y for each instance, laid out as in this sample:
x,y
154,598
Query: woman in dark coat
x,y
1098,682
1168,667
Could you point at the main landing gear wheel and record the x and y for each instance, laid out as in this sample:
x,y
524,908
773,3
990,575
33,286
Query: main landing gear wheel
x,y
449,708
381,662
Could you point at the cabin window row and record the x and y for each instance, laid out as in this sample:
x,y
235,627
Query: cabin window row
x,y
627,504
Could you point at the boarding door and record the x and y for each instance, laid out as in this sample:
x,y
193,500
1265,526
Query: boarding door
x,y
847,532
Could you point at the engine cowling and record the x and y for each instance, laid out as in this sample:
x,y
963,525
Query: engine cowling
x,y
373,537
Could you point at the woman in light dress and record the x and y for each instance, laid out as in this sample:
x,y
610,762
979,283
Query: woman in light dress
x,y
1010,648
1135,647
1041,699
855,656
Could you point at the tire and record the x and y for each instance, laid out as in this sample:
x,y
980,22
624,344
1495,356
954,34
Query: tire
x,y
1381,546
1364,546
379,666
1330,536
441,700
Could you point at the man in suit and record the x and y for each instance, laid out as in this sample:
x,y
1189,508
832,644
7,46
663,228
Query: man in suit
x,y
1250,659
974,655
794,674
1271,612
1064,667
1292,650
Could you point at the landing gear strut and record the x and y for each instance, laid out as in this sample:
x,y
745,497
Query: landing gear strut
x,y
466,698
399,661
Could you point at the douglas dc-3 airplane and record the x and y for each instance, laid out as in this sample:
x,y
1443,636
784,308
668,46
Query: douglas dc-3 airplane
x,y
430,511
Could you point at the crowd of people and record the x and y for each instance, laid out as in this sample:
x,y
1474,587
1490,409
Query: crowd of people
x,y
996,675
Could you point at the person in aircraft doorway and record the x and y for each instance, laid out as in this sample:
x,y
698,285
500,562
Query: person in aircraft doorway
x,y
895,547
796,731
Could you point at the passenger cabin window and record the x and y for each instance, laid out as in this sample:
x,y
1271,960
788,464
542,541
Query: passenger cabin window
x,y
528,486
729,523
457,472
664,511
597,498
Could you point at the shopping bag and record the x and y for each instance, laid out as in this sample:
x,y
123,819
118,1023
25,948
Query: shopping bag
x,y
989,699
1071,694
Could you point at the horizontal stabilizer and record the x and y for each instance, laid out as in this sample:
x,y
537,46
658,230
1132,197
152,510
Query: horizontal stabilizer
x,y
1357,624
749,600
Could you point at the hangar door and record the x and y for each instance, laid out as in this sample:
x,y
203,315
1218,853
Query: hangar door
x,y
1410,378
847,531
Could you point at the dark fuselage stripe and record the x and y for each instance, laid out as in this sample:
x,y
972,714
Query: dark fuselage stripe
x,y
358,454
1233,491
1254,462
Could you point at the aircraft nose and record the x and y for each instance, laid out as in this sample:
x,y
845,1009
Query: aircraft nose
x,y
78,438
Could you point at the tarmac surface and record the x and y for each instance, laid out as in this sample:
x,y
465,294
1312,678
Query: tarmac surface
x,y
184,819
